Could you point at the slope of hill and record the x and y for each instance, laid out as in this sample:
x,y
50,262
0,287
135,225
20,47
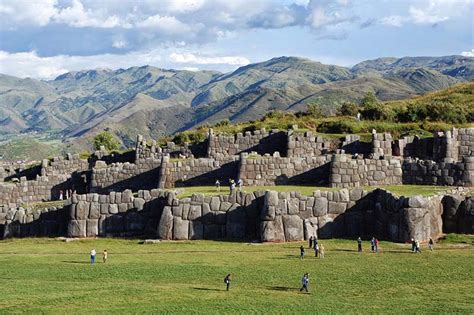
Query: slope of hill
x,y
157,102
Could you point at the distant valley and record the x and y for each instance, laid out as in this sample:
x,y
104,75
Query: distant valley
x,y
157,102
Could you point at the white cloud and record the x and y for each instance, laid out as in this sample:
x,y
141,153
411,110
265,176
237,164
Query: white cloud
x,y
29,64
393,20
206,60
77,16
184,5
468,53
119,43
424,16
34,12
168,24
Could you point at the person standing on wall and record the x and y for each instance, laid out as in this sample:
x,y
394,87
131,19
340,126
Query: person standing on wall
x,y
359,245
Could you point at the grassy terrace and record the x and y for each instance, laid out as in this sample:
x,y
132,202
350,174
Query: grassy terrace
x,y
51,276
400,190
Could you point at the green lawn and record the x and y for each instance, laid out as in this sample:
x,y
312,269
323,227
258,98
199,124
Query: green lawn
x,y
405,190
51,276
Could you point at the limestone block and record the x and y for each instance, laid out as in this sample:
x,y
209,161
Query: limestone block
x,y
94,211
165,226
310,227
82,210
336,207
320,206
196,230
272,231
92,228
195,212
180,229
76,228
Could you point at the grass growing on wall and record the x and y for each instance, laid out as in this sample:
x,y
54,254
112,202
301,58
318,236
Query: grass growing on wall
x,y
50,276
400,190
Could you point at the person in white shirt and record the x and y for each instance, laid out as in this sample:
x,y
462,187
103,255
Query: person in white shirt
x,y
93,253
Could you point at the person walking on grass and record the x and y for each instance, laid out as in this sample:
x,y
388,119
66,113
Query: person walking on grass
x,y
359,245
430,244
413,246
376,245
316,250
218,186
301,252
321,251
418,249
372,244
305,282
104,256
311,242
93,253
227,280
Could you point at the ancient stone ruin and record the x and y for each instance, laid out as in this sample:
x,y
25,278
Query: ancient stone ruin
x,y
123,194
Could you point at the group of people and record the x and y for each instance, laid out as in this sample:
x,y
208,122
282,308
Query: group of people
x,y
239,185
65,195
316,246
415,245
94,253
374,245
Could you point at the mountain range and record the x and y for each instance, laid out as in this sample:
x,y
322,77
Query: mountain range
x,y
157,102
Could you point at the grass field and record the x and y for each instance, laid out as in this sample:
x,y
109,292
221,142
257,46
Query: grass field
x,y
52,276
400,190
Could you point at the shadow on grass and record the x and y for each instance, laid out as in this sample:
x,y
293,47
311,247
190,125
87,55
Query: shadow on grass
x,y
77,262
208,289
284,289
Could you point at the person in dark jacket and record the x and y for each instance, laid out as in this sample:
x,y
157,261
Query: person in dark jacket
x,y
301,252
359,245
227,280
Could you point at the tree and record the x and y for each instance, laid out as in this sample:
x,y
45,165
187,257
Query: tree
x,y
348,109
107,140
373,110
314,110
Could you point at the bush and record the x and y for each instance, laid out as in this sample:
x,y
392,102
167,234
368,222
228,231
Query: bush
x,y
314,110
181,138
107,140
348,109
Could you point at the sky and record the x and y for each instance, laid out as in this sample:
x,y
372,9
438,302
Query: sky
x,y
43,39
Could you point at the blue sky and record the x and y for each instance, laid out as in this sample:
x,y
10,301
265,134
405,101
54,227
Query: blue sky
x,y
43,39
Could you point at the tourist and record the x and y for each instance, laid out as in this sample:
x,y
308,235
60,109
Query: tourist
x,y
227,280
372,244
67,194
413,246
376,245
418,249
321,251
315,241
358,116
218,185
93,253
305,282
359,245
232,185
104,256
311,241
316,250
61,197
430,244
240,184
301,252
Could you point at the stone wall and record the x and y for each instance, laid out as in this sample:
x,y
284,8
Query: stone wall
x,y
381,144
355,172
260,141
64,165
256,170
308,144
120,176
267,216
197,172
414,146
32,222
349,213
466,142
427,172
117,213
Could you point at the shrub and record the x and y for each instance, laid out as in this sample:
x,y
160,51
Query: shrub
x,y
348,109
107,140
